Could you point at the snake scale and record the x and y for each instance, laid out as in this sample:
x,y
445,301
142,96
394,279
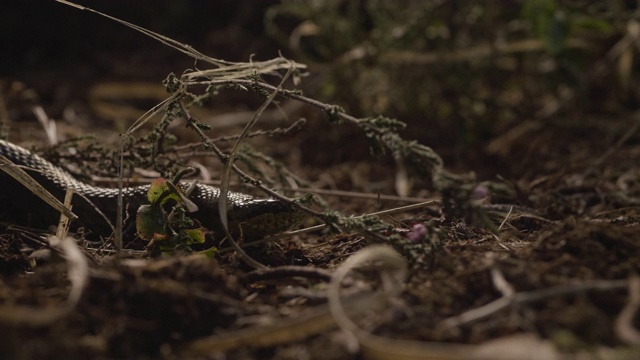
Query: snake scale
x,y
256,216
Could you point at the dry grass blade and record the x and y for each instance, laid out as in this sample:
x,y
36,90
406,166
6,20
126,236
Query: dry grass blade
x,y
163,39
25,179
296,328
63,223
243,70
361,195
150,114
624,324
226,175
394,270
229,70
528,297
78,267
393,267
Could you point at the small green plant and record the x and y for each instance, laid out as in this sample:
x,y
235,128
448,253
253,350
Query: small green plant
x,y
169,230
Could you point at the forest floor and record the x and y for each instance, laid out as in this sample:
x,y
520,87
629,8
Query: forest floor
x,y
555,273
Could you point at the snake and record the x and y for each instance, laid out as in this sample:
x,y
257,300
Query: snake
x,y
257,216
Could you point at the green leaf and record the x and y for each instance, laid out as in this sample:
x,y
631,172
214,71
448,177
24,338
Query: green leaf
x,y
210,252
593,23
157,188
160,192
550,23
150,221
196,236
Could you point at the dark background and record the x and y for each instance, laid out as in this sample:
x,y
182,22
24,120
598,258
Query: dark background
x,y
42,36
456,106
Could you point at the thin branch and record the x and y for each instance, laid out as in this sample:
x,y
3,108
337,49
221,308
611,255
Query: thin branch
x,y
528,297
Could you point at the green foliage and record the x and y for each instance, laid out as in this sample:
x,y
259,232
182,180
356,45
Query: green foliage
x,y
456,72
383,133
160,192
151,221
554,24
550,23
169,230
420,253
336,27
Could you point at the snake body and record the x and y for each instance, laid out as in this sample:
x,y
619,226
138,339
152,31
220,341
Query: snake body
x,y
256,216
